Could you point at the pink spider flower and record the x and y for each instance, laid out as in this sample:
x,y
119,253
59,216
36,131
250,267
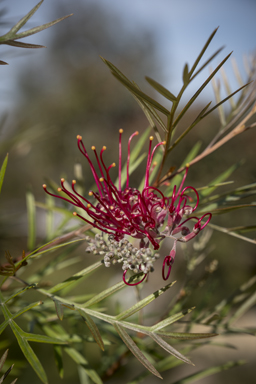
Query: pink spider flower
x,y
141,215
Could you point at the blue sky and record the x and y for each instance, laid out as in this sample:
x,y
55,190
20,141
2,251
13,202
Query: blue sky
x,y
180,27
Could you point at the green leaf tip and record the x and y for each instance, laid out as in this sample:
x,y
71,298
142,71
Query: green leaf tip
x,y
162,90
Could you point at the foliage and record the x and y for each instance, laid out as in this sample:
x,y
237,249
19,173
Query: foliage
x,y
112,331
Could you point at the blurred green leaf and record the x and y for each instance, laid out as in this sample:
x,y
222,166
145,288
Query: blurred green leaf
x,y
2,171
185,75
202,53
29,353
31,213
186,336
59,309
222,177
224,100
208,372
79,359
141,95
93,328
170,320
135,350
24,19
194,97
59,360
162,90
73,279
143,303
167,347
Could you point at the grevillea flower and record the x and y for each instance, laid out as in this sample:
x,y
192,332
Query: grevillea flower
x,y
146,215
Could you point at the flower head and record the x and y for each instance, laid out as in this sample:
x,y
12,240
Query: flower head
x,y
139,214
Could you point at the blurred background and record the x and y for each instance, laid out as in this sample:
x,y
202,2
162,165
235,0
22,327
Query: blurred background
x,y
48,96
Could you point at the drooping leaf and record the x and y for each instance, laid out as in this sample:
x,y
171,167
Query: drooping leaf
x,y
167,347
93,328
141,95
135,350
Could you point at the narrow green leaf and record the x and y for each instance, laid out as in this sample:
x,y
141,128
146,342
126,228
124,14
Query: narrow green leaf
x,y
162,90
135,350
234,234
202,52
50,201
220,211
167,347
170,320
208,372
243,308
3,326
227,87
195,122
143,303
141,94
243,228
41,338
79,359
20,44
93,328
224,100
206,63
222,177
2,171
59,309
28,352
151,114
27,308
19,292
185,335
185,75
143,104
59,360
40,28
194,97
31,213
24,19
3,358
176,180
73,279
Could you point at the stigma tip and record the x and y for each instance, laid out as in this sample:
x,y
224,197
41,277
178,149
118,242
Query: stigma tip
x,y
121,130
62,180
93,148
73,181
79,137
44,186
74,214
151,138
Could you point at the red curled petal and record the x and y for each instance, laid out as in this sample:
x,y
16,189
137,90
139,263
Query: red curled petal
x,y
134,283
207,221
167,260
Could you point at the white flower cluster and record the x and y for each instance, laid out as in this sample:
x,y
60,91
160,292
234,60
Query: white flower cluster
x,y
135,259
